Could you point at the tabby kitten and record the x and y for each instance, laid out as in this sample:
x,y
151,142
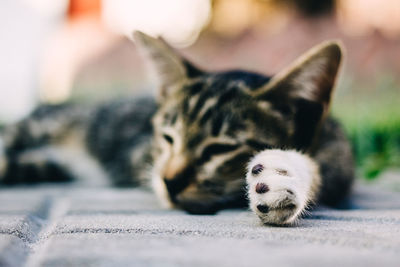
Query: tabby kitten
x,y
205,128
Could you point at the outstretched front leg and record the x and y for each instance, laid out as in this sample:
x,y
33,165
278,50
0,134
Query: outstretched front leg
x,y
281,184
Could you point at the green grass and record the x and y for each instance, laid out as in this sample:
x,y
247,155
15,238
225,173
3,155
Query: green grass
x,y
371,117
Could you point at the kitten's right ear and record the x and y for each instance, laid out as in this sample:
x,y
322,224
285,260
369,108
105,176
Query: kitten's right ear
x,y
170,68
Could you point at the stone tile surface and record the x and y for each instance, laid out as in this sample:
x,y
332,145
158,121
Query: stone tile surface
x,y
69,226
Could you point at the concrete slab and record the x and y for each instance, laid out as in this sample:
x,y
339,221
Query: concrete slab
x,y
13,250
69,226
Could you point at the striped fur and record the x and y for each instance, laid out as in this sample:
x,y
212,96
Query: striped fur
x,y
193,142
209,124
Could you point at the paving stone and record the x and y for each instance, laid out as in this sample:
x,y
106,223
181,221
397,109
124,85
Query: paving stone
x,y
144,250
20,201
13,251
70,226
111,201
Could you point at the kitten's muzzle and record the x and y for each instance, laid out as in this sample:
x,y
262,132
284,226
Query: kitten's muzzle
x,y
179,183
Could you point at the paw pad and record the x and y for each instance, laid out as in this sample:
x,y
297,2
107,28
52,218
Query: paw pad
x,y
257,169
262,188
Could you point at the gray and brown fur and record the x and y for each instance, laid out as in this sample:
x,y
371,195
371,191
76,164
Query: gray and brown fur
x,y
205,128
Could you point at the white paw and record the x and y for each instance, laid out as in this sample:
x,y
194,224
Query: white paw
x,y
281,184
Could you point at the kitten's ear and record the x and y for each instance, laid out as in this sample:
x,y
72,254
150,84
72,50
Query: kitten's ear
x,y
305,88
170,68
311,77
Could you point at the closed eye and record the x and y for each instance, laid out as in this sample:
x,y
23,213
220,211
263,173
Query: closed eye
x,y
216,149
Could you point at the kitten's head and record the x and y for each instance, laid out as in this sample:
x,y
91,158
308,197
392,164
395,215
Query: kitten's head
x,y
209,124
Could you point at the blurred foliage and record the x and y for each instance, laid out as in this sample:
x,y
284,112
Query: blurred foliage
x,y
371,118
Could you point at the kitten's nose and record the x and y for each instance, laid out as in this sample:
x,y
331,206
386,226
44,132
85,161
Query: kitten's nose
x,y
175,166
178,183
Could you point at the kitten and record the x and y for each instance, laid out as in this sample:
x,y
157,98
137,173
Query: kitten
x,y
209,124
205,128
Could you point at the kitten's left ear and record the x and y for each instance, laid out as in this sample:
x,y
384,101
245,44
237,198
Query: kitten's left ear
x,y
305,88
311,77
170,68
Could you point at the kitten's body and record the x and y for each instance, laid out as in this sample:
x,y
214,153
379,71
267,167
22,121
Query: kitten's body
x,y
117,134
206,127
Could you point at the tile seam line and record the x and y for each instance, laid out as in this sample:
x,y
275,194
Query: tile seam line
x,y
35,221
56,209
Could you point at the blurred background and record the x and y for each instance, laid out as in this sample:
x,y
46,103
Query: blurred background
x,y
79,50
